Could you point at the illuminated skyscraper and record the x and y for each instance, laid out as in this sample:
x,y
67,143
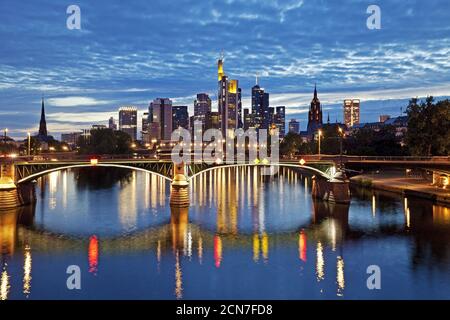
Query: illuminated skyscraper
x,y
280,120
260,108
314,115
229,101
128,121
202,106
351,112
160,114
180,117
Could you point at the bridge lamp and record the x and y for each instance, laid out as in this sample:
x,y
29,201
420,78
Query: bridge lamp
x,y
51,148
265,161
29,143
94,161
257,161
13,155
302,162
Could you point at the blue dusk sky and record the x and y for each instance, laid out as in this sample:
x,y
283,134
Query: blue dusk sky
x,y
130,52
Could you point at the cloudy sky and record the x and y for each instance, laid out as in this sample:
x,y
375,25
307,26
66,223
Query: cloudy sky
x,y
128,53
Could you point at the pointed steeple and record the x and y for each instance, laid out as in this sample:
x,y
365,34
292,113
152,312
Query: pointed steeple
x,y
328,120
42,123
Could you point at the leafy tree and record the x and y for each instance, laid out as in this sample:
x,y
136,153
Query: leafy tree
x,y
428,127
369,142
105,141
290,144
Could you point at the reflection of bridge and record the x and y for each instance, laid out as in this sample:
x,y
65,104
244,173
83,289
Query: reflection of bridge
x,y
15,188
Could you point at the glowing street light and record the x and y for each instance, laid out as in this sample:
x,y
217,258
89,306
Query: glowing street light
x,y
320,136
29,143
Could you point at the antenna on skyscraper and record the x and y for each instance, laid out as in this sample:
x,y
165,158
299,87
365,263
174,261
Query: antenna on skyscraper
x,y
256,77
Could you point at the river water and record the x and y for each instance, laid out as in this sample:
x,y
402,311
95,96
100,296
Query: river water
x,y
245,236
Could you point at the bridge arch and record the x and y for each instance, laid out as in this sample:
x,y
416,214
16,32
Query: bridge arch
x,y
50,170
290,165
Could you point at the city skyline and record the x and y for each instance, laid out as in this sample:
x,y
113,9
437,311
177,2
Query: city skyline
x,y
383,68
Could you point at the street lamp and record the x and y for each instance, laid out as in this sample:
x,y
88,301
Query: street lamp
x,y
341,135
29,143
320,135
4,138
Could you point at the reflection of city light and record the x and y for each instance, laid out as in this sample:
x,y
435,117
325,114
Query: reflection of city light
x,y
178,278
217,251
200,250
320,263
374,205
27,271
93,254
158,251
340,276
333,234
255,247
265,246
302,246
441,214
407,213
4,285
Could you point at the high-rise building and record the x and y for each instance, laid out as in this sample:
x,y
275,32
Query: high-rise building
x,y
160,111
280,120
180,117
112,124
71,138
294,126
128,121
384,118
228,101
248,119
351,112
212,120
202,105
144,132
260,108
314,115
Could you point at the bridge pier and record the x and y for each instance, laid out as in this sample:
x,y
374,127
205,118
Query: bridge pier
x,y
179,196
336,189
11,194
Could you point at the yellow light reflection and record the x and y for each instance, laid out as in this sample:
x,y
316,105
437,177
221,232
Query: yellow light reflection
x,y
200,250
340,276
178,278
255,247
4,284
374,206
27,271
320,262
265,246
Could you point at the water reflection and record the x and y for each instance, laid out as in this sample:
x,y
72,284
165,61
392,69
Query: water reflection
x,y
236,232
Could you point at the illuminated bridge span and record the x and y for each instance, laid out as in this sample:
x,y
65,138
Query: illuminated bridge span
x,y
328,184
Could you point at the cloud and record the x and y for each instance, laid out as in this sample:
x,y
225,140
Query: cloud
x,y
76,101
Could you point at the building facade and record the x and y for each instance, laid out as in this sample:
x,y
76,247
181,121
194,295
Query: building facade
x,y
294,126
351,112
229,102
128,121
180,117
160,114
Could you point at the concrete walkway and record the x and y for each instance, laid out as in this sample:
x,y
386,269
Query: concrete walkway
x,y
398,183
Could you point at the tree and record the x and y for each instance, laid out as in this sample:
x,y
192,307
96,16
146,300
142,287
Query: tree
x,y
428,127
105,141
290,144
369,142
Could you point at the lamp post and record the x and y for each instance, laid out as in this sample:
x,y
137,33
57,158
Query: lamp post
x,y
4,136
29,144
320,135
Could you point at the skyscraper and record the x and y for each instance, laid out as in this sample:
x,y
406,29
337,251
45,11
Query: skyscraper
x,y
314,115
180,117
260,108
228,101
43,123
248,119
351,112
294,126
202,105
144,133
280,120
128,121
160,113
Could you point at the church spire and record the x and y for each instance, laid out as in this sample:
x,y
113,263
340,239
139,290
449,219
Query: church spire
x,y
42,123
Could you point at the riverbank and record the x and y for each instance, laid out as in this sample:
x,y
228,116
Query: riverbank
x,y
397,182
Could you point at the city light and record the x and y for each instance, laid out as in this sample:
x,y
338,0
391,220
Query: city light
x,y
94,161
302,162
